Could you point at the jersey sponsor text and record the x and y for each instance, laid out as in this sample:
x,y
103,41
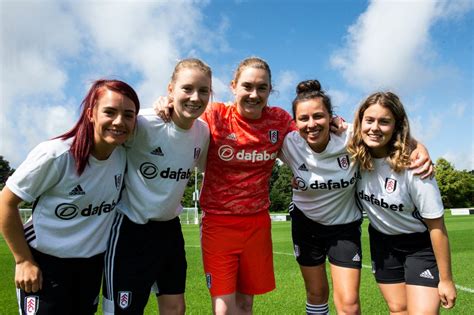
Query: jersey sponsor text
x,y
150,171
227,153
381,203
68,211
337,184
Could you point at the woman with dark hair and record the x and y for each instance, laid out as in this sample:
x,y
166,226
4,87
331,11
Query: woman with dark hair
x,y
409,243
325,218
74,181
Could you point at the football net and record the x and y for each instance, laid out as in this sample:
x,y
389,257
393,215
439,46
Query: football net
x,y
189,216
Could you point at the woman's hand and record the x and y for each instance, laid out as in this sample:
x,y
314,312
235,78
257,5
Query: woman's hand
x,y
163,107
447,294
421,161
28,276
338,125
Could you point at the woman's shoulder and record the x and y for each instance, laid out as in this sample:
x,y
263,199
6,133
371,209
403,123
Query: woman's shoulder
x,y
52,148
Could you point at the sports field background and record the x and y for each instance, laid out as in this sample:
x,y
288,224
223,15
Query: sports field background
x,y
289,297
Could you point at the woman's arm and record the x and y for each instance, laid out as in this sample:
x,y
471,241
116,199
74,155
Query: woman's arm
x,y
27,273
440,243
421,161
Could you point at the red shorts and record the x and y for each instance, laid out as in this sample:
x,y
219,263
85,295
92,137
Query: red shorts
x,y
237,253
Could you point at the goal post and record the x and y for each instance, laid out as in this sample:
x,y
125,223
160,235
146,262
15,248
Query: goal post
x,y
189,216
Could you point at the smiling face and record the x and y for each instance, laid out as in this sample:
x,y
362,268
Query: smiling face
x,y
377,128
113,118
190,93
251,91
312,120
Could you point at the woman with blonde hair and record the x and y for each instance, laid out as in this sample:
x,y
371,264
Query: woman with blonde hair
x,y
408,239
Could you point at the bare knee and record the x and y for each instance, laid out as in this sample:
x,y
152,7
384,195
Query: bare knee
x,y
317,296
397,308
348,304
244,303
171,305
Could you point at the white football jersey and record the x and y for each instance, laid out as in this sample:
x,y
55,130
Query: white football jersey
x,y
160,159
72,214
396,203
326,181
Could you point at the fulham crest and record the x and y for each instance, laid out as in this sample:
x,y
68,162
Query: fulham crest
x,y
125,298
390,185
343,162
31,304
197,152
273,135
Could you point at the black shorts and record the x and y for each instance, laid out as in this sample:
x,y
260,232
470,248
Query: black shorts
x,y
70,286
138,256
405,258
312,242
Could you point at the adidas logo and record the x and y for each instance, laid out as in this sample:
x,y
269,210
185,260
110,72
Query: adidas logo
x,y
232,136
303,167
426,274
356,257
77,191
157,151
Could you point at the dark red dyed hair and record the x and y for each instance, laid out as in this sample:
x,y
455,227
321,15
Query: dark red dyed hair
x,y
83,131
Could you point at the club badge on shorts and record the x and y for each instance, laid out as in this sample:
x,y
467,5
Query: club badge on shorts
x,y
390,185
31,304
343,162
125,298
273,135
209,280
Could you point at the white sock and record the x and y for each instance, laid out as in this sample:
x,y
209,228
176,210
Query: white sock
x,y
321,309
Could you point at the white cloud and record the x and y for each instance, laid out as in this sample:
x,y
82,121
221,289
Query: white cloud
x,y
221,90
284,86
462,160
458,109
390,46
427,127
344,104
51,47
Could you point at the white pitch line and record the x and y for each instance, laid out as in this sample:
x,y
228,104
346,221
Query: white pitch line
x,y
459,287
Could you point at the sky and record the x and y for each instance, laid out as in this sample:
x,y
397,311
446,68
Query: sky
x,y
51,51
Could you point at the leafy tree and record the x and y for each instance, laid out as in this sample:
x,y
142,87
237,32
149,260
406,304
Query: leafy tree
x,y
280,188
456,187
5,171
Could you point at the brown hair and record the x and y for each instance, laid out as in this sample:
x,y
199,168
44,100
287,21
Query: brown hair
x,y
399,147
308,90
253,62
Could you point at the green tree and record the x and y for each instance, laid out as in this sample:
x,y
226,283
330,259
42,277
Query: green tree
x,y
5,171
456,187
280,188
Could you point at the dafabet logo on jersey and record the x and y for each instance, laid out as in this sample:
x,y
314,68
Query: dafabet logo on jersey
x,y
150,171
227,153
68,211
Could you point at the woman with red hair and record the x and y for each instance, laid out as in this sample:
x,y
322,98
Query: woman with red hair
x,y
74,182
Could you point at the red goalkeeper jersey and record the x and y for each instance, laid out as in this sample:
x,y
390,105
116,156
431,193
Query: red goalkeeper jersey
x,y
240,158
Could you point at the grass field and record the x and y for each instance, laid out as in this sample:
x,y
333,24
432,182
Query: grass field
x,y
289,297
